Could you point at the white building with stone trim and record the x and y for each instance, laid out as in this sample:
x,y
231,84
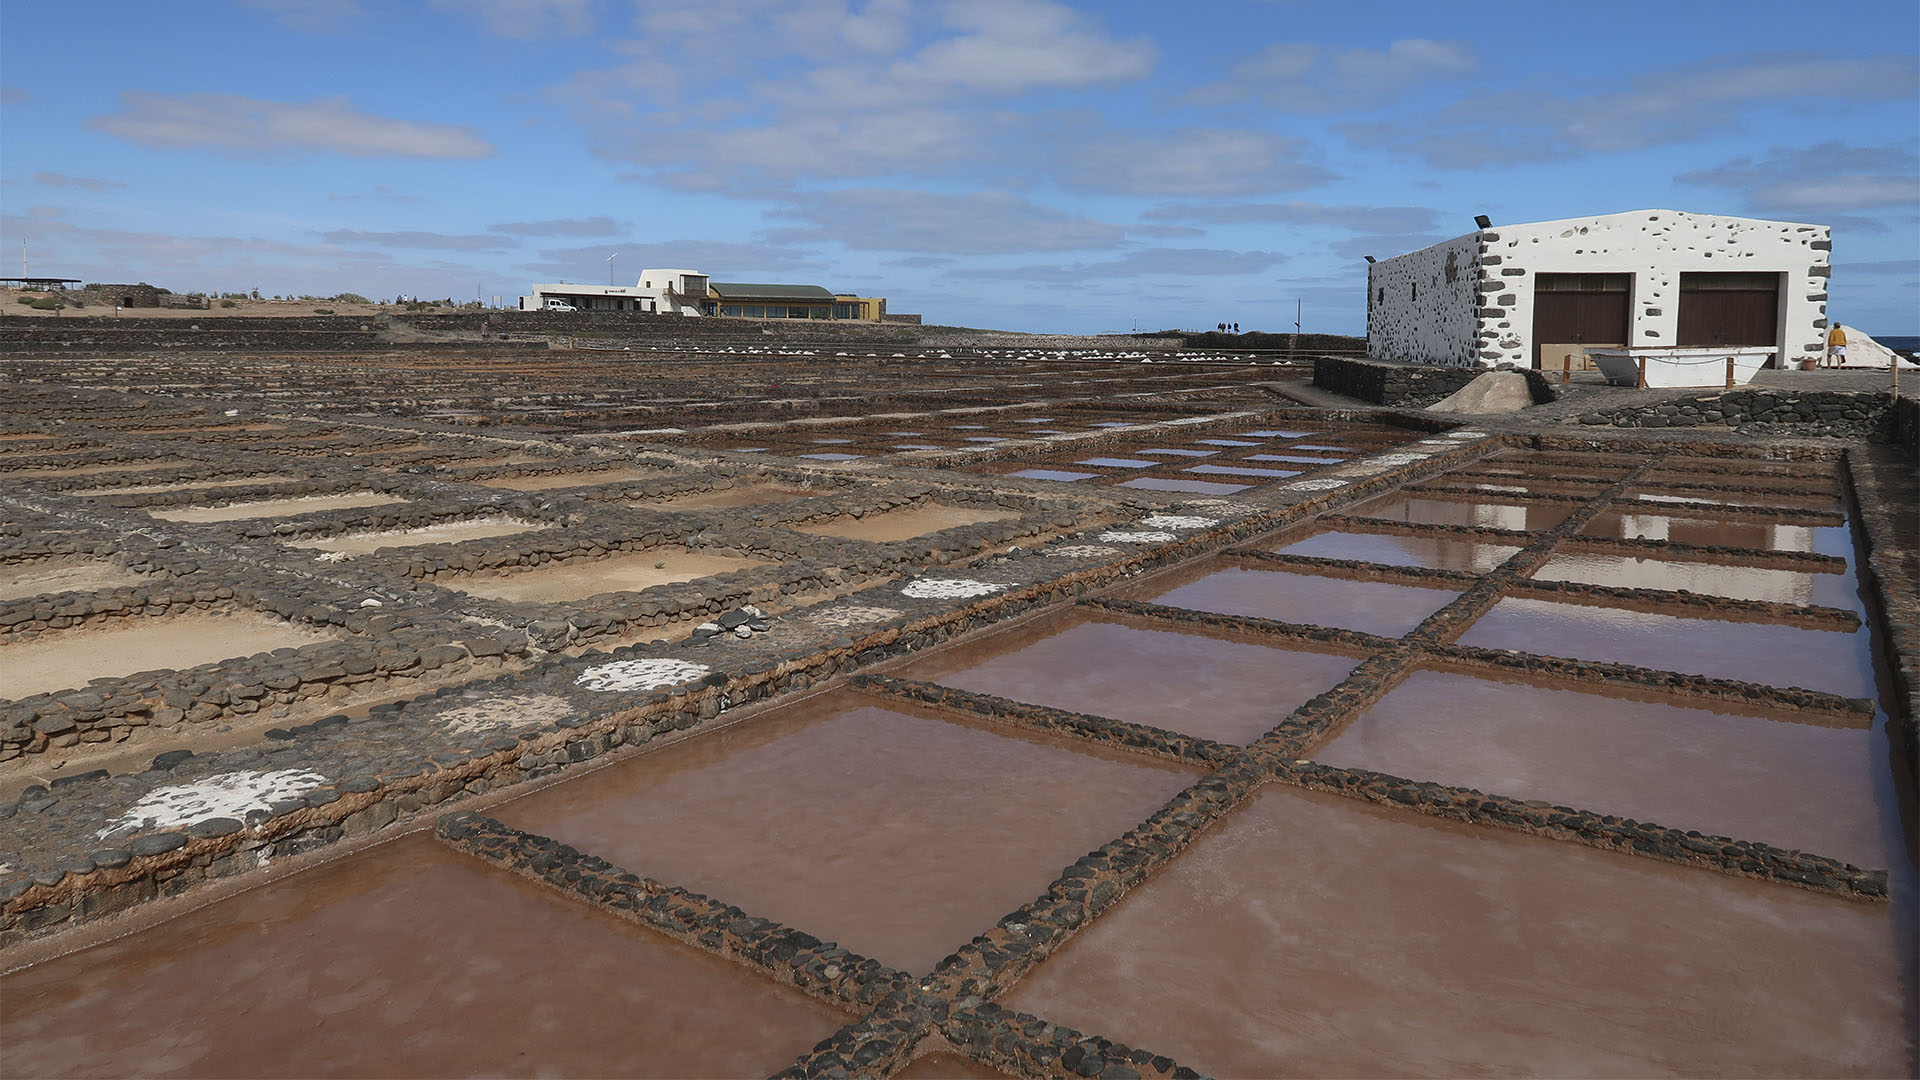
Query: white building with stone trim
x,y
663,292
1532,294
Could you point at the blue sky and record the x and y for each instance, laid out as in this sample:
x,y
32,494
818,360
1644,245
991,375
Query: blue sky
x,y
1009,163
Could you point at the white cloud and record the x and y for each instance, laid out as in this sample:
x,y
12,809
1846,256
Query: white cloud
x,y
524,20
1830,178
593,226
430,241
758,94
1356,218
973,223
187,262
1384,245
1011,46
1146,262
236,124
85,183
1660,106
826,146
726,260
1195,162
1302,77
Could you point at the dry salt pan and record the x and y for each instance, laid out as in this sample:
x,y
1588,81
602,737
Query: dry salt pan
x,y
1317,485
947,589
1179,521
1137,537
1084,551
228,795
516,709
649,674
854,616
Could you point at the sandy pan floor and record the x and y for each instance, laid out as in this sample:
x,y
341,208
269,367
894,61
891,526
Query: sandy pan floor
x,y
581,578
63,660
188,485
571,480
903,524
449,533
304,504
758,495
62,575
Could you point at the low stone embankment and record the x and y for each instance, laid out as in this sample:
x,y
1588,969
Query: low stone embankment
x,y
1389,382
1762,411
90,335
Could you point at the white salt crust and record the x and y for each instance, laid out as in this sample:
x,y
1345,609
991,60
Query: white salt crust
x,y
514,710
640,674
228,795
948,589
1178,521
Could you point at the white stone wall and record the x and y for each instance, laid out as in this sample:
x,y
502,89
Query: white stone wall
x,y
1420,306
1655,246
653,291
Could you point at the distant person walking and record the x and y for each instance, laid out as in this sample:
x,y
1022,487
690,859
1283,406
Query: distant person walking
x,y
1836,346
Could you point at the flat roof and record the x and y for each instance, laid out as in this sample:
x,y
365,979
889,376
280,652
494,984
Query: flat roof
x,y
740,290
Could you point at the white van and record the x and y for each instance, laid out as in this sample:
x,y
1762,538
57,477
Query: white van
x,y
554,303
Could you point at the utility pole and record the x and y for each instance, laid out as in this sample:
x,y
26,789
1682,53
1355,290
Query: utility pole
x,y
610,259
1298,306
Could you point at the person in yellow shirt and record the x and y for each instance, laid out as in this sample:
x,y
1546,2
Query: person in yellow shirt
x,y
1836,346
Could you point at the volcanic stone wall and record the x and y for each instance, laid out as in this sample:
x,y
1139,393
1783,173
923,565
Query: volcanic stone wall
x,y
1387,383
1904,416
75,337
1819,412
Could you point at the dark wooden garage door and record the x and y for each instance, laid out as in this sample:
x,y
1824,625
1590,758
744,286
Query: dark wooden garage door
x,y
1729,309
1579,309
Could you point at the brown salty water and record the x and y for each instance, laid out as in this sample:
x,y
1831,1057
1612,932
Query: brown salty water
x,y
1793,785
1311,935
1373,606
406,960
898,834
1433,552
1431,510
1232,691
1835,661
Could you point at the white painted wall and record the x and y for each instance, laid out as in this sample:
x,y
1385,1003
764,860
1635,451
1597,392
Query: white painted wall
x,y
1420,306
1655,246
653,291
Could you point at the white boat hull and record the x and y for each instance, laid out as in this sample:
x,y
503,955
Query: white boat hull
x,y
1681,367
